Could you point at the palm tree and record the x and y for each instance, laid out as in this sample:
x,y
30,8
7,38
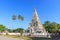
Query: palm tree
x,y
13,18
20,18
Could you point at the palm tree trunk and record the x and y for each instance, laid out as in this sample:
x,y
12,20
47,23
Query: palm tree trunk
x,y
12,26
18,25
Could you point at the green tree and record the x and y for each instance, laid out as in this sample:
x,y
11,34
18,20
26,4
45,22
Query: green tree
x,y
20,30
58,26
9,30
54,27
13,18
2,28
47,26
50,27
20,18
47,23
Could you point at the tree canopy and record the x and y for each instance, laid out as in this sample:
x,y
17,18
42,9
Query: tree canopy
x,y
2,28
51,27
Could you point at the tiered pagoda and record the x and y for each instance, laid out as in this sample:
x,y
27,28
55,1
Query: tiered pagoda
x,y
35,24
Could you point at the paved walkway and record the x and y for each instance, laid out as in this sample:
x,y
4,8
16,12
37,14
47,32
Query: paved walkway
x,y
7,38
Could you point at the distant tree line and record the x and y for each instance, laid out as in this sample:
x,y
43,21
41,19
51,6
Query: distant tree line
x,y
52,27
3,29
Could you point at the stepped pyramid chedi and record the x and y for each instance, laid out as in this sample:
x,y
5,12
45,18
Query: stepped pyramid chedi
x,y
36,29
35,24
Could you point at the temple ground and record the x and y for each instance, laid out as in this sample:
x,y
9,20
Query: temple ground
x,y
8,37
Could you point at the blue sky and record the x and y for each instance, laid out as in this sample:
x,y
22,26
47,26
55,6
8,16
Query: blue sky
x,y
47,10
